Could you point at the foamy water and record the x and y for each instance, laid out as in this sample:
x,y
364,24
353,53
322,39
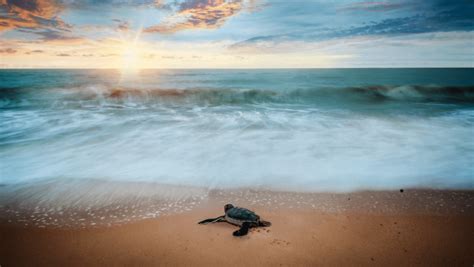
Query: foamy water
x,y
291,130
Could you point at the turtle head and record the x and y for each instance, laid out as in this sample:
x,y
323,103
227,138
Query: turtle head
x,y
228,207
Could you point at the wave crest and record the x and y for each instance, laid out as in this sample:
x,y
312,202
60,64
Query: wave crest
x,y
214,96
423,93
447,94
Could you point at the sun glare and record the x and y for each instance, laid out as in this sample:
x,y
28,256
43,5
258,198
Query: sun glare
x,y
131,58
132,54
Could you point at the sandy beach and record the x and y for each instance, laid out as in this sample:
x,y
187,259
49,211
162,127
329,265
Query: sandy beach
x,y
415,234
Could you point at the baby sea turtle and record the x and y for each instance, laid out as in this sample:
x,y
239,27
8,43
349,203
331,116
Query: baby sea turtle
x,y
240,217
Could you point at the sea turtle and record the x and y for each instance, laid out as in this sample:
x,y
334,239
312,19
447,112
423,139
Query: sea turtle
x,y
240,217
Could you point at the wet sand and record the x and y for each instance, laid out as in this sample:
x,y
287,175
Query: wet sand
x,y
298,237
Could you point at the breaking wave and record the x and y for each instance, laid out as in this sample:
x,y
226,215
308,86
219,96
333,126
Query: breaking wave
x,y
365,95
236,96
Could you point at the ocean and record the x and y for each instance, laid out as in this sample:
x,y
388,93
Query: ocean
x,y
287,129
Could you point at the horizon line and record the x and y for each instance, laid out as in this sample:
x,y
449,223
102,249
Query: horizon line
x,y
250,68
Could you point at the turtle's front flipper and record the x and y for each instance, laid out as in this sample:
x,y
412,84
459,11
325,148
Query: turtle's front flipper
x,y
212,220
243,230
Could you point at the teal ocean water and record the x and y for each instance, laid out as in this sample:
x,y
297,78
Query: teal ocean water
x,y
301,130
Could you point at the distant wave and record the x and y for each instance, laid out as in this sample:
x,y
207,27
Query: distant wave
x,y
229,96
367,94
417,93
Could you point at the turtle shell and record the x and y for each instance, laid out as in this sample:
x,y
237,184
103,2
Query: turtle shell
x,y
238,216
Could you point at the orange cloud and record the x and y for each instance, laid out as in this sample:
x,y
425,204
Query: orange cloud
x,y
201,14
30,14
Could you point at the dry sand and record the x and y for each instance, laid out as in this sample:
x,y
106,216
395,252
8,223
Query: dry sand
x,y
298,237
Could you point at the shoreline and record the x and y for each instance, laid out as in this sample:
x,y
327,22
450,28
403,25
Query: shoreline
x,y
416,227
107,204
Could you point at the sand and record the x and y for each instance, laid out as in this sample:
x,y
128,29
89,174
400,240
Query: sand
x,y
298,237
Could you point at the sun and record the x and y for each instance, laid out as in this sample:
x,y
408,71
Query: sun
x,y
132,54
131,58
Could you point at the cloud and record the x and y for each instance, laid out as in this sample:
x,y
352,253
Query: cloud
x,y
36,51
63,55
8,51
109,55
453,18
39,15
441,16
122,25
30,14
86,4
373,6
201,14
53,35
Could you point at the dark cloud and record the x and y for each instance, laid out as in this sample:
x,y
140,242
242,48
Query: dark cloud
x,y
373,6
63,55
106,4
447,17
440,16
51,35
122,25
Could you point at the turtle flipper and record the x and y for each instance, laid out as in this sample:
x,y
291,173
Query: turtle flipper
x,y
212,220
263,223
243,230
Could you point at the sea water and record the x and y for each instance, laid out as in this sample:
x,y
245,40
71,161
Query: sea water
x,y
288,129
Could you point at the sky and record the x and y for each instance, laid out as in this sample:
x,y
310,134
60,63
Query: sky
x,y
137,34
